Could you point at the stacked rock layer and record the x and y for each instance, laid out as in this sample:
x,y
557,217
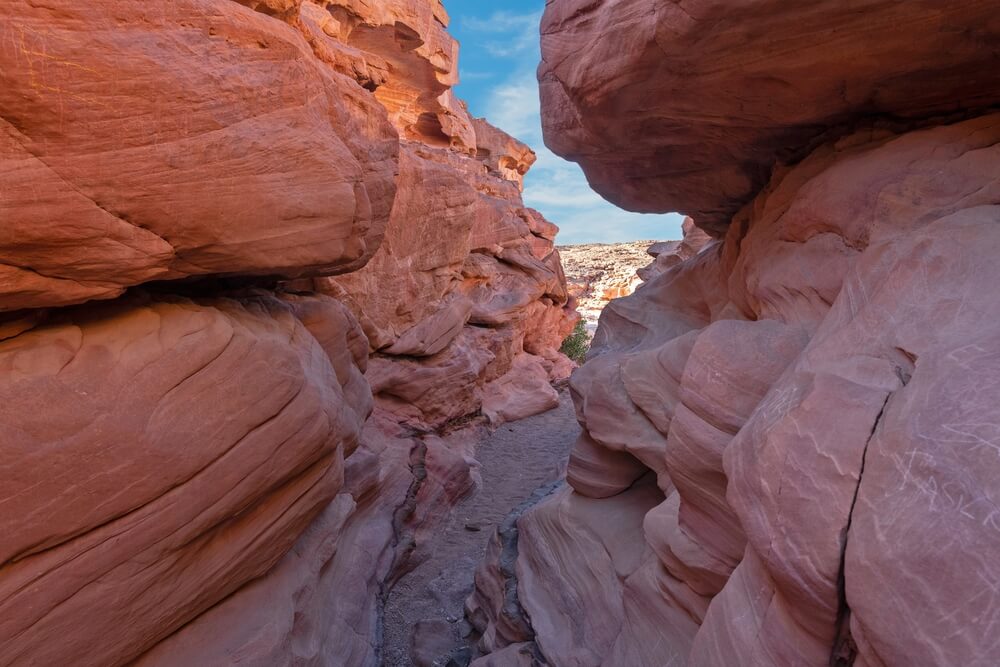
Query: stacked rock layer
x,y
192,471
789,454
596,273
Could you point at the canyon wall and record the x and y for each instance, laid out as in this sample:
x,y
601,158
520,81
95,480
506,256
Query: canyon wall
x,y
789,453
597,273
257,265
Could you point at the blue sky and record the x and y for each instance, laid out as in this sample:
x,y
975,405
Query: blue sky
x,y
497,65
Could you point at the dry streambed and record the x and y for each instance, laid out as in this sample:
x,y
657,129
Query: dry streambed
x,y
423,621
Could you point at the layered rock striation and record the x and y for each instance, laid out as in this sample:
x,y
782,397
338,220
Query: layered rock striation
x,y
716,96
788,452
195,468
466,294
597,273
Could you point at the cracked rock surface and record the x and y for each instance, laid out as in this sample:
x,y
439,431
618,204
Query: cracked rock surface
x,y
788,454
812,395
260,272
518,463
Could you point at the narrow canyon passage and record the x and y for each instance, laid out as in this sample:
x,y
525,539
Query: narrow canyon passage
x,y
516,459
266,275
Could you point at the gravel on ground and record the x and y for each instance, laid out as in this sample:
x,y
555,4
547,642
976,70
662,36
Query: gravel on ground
x,y
515,460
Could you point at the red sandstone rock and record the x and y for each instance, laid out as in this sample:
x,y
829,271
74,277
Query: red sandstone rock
x,y
136,145
320,604
155,233
230,145
523,391
471,245
508,158
409,41
477,283
596,471
212,432
688,105
584,582
863,359
671,253
423,272
515,655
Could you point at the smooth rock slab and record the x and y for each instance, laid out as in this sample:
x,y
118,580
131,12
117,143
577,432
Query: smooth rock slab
x,y
135,144
183,447
687,106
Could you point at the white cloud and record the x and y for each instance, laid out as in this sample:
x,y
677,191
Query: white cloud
x,y
557,183
519,33
469,75
514,107
504,21
560,190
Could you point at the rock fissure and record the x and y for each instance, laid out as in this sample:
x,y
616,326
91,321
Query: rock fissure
x,y
515,617
519,465
401,543
844,651
265,535
373,470
404,541
819,189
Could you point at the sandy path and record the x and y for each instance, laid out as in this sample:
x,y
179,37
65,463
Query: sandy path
x,y
516,459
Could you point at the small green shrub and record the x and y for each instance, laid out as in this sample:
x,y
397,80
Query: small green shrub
x,y
577,343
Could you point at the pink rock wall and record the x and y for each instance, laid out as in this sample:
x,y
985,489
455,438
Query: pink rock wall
x,y
787,455
688,106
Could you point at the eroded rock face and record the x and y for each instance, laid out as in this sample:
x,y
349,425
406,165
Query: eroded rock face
x,y
183,447
125,158
686,106
400,50
862,389
191,467
800,412
666,254
597,273
476,284
322,603
466,280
